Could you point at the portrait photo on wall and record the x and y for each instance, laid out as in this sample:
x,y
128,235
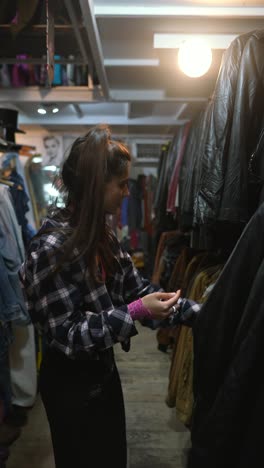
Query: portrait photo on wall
x,y
52,150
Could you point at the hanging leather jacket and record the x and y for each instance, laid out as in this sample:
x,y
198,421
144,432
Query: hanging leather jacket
x,y
234,125
228,353
190,169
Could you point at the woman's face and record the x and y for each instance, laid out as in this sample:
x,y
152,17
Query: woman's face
x,y
51,147
115,191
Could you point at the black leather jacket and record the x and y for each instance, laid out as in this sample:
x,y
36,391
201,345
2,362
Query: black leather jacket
x,y
228,377
233,128
191,168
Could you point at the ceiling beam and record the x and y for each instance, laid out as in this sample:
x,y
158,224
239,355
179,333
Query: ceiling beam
x,y
131,62
174,41
90,24
76,94
81,94
153,95
122,120
113,9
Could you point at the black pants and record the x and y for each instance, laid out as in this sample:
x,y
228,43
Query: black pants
x,y
85,410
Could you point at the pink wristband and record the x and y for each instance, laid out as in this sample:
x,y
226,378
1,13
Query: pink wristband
x,y
138,311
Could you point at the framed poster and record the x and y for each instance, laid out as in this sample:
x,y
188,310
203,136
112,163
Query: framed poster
x,y
52,151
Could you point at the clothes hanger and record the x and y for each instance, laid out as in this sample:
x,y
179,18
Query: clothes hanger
x,y
10,184
27,150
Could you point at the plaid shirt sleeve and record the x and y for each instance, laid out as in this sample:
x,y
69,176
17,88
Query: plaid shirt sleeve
x,y
186,313
55,304
134,285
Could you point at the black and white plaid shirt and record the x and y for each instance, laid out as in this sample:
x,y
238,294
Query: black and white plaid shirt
x,y
74,312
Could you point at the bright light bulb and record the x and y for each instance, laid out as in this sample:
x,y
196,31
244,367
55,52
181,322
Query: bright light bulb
x,y
194,57
37,159
50,168
48,188
55,110
42,111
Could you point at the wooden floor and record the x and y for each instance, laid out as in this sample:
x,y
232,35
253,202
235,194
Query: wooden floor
x,y
156,439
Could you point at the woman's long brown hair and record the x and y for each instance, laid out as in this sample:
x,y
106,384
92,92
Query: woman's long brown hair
x,y
92,162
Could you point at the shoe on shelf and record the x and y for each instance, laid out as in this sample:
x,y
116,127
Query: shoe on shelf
x,y
8,434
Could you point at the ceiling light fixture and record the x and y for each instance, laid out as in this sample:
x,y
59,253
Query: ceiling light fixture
x,y
47,108
41,110
194,57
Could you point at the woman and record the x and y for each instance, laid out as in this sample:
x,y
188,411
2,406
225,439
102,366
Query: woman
x,y
84,294
53,155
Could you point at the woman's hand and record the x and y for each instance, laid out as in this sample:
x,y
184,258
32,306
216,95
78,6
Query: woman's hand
x,y
160,303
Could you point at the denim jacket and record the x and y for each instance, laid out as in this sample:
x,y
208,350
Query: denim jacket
x,y
12,305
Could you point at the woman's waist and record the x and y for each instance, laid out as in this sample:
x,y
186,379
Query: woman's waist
x,y
98,362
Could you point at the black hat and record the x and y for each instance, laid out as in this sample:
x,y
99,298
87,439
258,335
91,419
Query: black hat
x,y
8,120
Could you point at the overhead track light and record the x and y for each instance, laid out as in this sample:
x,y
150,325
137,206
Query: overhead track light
x,y
41,110
47,108
194,50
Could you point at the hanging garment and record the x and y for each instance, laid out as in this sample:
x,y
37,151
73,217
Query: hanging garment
x,y
228,350
24,14
57,80
164,262
5,80
163,220
191,168
11,256
20,202
23,74
182,347
234,124
173,185
6,337
184,389
22,354
70,72
23,366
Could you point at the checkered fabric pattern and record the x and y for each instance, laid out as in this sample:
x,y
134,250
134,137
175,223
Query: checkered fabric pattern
x,y
74,312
